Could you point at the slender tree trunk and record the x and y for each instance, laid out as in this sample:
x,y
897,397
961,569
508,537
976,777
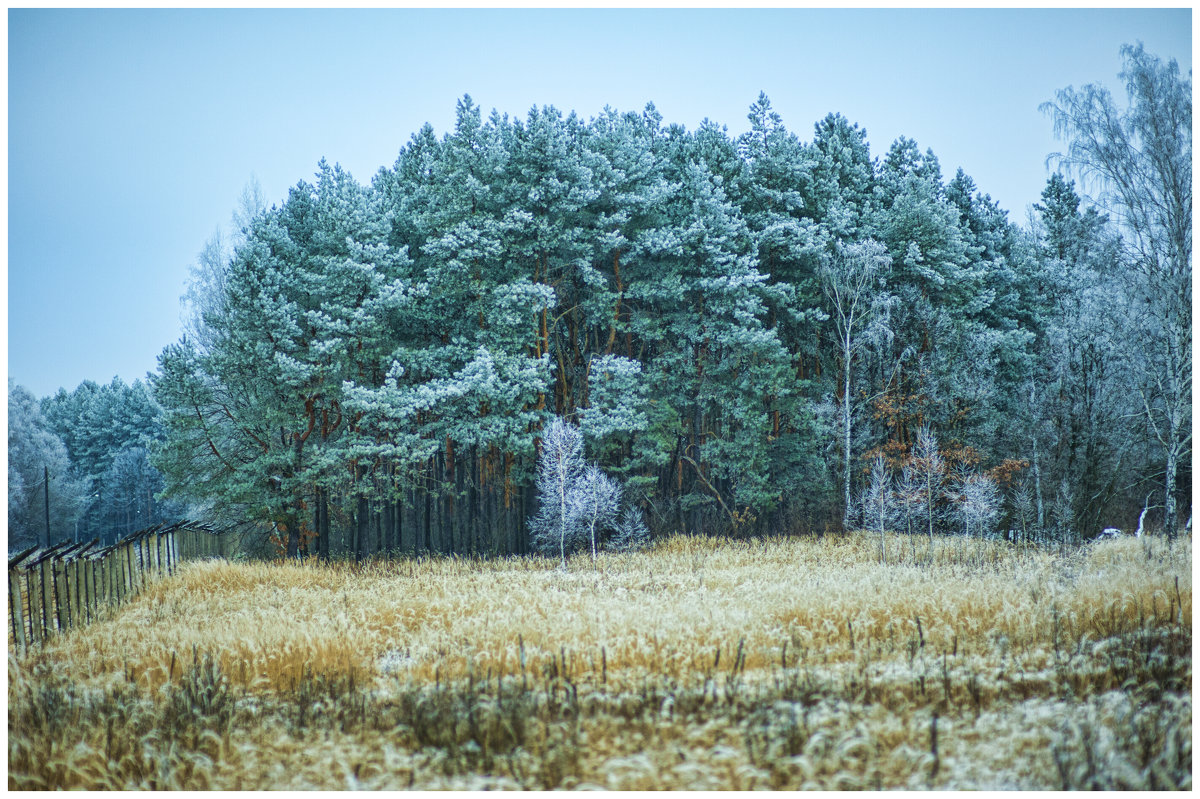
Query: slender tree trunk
x,y
846,429
323,525
1170,517
364,527
1037,488
293,534
562,512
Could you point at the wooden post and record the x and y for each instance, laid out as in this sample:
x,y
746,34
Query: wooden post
x,y
110,588
72,571
47,577
115,572
118,574
93,605
122,573
27,586
16,609
36,627
59,572
129,575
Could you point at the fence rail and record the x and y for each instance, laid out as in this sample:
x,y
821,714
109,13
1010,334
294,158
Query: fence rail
x,y
70,584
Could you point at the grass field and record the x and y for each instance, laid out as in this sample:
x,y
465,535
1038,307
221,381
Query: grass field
x,y
780,664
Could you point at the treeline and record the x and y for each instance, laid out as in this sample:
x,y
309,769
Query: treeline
x,y
738,326
79,464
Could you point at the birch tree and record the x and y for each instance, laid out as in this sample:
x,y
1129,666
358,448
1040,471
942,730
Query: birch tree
x,y
559,466
1140,160
854,281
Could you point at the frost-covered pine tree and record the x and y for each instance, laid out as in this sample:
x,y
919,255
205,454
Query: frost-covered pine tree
x,y
907,497
929,469
1021,502
631,533
559,467
878,501
978,503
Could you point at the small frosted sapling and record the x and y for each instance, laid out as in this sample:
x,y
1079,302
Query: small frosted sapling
x,y
579,505
559,466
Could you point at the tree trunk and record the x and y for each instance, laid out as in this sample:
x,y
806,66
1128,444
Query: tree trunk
x,y
322,524
293,533
1170,516
1037,488
846,430
363,522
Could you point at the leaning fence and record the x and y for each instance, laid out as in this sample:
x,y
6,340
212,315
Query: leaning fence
x,y
53,589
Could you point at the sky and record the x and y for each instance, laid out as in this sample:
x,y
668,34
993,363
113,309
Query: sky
x,y
131,134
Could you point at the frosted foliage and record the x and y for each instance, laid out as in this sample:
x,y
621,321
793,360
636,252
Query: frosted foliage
x,y
34,450
929,471
617,396
579,506
597,501
979,504
559,465
632,533
879,504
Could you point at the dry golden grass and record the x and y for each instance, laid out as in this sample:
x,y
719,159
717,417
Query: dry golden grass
x,y
699,665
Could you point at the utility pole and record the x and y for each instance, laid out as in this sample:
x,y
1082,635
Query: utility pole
x,y
46,482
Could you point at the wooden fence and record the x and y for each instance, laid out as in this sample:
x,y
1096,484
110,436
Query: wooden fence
x,y
71,584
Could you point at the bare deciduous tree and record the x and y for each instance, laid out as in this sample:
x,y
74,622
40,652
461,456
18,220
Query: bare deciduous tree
x,y
1141,161
854,281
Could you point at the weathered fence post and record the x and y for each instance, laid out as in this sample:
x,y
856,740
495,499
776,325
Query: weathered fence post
x,y
36,628
111,574
66,586
58,576
89,589
17,611
72,572
106,590
129,573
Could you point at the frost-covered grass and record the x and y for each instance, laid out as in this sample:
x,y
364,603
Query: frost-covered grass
x,y
696,665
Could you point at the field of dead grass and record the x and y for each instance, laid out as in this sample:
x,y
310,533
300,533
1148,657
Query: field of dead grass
x,y
779,664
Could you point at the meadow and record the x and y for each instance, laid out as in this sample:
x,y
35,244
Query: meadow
x,y
700,664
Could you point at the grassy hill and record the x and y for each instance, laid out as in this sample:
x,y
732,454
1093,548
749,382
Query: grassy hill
x,y
782,664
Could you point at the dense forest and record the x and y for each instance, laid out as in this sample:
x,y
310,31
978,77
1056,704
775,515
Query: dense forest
x,y
752,334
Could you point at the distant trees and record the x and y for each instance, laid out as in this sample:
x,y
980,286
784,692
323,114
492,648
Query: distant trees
x,y
44,496
107,432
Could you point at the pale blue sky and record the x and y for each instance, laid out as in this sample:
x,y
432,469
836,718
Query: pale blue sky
x,y
132,133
